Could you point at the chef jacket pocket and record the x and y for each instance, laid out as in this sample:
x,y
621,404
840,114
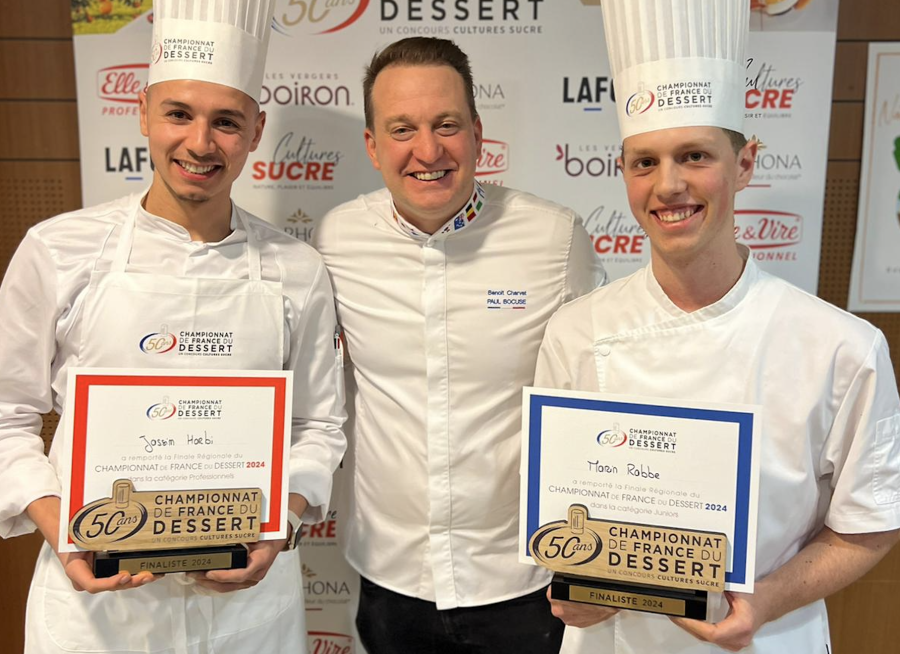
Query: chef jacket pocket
x,y
264,603
128,620
886,480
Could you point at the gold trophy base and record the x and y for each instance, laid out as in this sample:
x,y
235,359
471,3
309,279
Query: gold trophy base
x,y
633,597
186,559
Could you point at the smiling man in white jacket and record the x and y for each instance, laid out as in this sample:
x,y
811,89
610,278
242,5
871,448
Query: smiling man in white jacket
x,y
85,288
702,322
443,290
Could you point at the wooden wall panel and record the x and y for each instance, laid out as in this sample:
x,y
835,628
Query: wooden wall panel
x,y
31,191
32,131
845,140
45,19
850,62
868,20
37,70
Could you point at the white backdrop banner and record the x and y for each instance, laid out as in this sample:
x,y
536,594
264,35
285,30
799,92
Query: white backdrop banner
x,y
875,276
546,99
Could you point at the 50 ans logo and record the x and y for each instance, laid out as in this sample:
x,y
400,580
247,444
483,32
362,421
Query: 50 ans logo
x,y
159,342
318,16
161,410
110,520
567,543
614,437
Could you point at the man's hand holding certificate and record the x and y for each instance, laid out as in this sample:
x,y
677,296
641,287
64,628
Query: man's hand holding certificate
x,y
173,471
638,503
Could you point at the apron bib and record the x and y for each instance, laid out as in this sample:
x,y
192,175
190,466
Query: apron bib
x,y
137,320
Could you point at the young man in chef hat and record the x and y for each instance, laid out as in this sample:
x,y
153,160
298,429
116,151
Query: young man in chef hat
x,y
702,322
84,289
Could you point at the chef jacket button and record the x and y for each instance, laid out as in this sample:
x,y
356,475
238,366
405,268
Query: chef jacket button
x,y
605,350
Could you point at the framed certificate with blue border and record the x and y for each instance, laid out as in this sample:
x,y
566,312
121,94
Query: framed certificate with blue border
x,y
640,490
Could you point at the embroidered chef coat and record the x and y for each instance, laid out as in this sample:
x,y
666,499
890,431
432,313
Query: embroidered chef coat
x,y
442,332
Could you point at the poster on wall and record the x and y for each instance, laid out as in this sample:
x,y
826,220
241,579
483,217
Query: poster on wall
x,y
875,276
545,95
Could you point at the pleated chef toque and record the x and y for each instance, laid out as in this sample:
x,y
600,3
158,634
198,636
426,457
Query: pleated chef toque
x,y
220,41
677,63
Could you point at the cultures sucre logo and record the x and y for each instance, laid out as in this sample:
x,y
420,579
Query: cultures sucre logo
x,y
321,534
615,234
770,93
297,161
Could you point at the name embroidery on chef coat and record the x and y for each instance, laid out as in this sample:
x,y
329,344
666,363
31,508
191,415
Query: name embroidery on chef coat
x,y
507,298
461,220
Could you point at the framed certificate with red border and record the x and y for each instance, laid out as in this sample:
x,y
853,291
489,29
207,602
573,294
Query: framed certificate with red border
x,y
178,437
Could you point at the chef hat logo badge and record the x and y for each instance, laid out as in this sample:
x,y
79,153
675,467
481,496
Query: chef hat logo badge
x,y
156,52
640,102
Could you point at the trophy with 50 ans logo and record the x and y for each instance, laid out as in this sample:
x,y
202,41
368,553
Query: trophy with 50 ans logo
x,y
174,471
639,504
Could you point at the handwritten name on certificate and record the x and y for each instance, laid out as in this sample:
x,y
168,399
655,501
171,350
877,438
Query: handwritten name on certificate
x,y
177,430
643,461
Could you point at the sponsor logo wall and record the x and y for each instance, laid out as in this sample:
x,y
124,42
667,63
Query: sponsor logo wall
x,y
546,98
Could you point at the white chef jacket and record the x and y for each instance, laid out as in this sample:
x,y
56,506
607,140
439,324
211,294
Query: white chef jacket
x,y
442,331
42,297
830,432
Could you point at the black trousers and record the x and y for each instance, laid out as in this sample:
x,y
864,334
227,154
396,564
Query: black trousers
x,y
390,623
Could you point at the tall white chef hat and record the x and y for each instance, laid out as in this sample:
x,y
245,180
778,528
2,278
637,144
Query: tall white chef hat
x,y
677,63
220,41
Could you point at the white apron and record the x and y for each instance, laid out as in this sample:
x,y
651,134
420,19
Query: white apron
x,y
173,614
716,354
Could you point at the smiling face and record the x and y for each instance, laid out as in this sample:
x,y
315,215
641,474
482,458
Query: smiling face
x,y
200,135
425,141
681,184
